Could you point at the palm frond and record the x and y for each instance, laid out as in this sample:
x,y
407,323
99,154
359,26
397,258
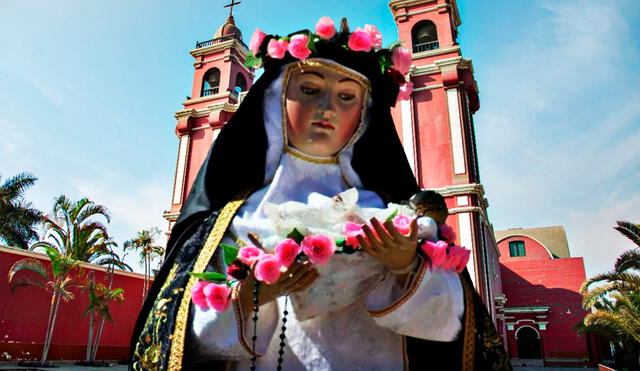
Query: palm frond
x,y
629,259
13,187
115,262
92,209
41,244
629,230
610,277
28,281
30,264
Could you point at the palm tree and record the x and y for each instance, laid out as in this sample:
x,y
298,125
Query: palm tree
x,y
99,298
615,305
72,230
58,284
17,217
116,295
144,243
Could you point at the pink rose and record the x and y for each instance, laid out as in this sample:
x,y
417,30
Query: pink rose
x,y
198,296
351,231
277,48
374,35
402,224
447,233
463,260
256,40
286,251
325,28
359,40
268,268
298,46
436,251
217,296
318,248
457,258
405,91
401,59
249,254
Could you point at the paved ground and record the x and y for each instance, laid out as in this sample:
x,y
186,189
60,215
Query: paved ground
x,y
63,366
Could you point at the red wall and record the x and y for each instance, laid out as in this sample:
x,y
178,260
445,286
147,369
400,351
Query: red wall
x,y
24,314
536,280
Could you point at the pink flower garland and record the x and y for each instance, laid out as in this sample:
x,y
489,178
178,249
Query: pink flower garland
x,y
319,249
446,255
298,47
256,40
267,269
211,295
325,28
401,59
287,251
277,48
359,40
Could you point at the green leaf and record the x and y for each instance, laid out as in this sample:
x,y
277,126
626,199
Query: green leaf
x,y
341,242
252,60
296,235
393,215
52,252
214,277
230,253
385,62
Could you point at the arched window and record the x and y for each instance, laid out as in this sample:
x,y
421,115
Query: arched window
x,y
424,36
211,82
241,83
528,341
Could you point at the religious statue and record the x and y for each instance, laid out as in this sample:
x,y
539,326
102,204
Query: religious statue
x,y
299,217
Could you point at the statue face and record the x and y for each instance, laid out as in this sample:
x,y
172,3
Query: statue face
x,y
323,109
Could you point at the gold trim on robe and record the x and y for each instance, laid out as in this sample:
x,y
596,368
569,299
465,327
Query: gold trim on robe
x,y
210,246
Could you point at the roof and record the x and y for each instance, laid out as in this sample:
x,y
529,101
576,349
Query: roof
x,y
553,238
228,28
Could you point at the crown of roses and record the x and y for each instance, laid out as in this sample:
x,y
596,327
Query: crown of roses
x,y
394,61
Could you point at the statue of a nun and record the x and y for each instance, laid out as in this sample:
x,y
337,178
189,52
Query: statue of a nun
x,y
313,142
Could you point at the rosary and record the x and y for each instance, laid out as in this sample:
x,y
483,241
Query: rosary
x,y
256,302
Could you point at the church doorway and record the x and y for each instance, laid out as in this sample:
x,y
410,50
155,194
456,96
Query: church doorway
x,y
528,341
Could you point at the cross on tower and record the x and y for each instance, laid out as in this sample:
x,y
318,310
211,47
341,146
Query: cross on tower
x,y
230,6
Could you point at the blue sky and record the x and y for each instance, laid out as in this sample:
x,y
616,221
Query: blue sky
x,y
88,90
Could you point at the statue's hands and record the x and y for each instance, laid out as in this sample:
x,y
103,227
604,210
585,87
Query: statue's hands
x,y
297,278
390,247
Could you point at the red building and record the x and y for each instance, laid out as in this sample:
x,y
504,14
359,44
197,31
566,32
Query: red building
x,y
24,314
435,126
541,282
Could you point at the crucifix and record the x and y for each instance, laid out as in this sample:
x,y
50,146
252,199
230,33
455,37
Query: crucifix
x,y
230,6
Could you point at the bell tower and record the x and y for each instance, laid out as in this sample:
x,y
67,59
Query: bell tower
x,y
220,81
437,130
